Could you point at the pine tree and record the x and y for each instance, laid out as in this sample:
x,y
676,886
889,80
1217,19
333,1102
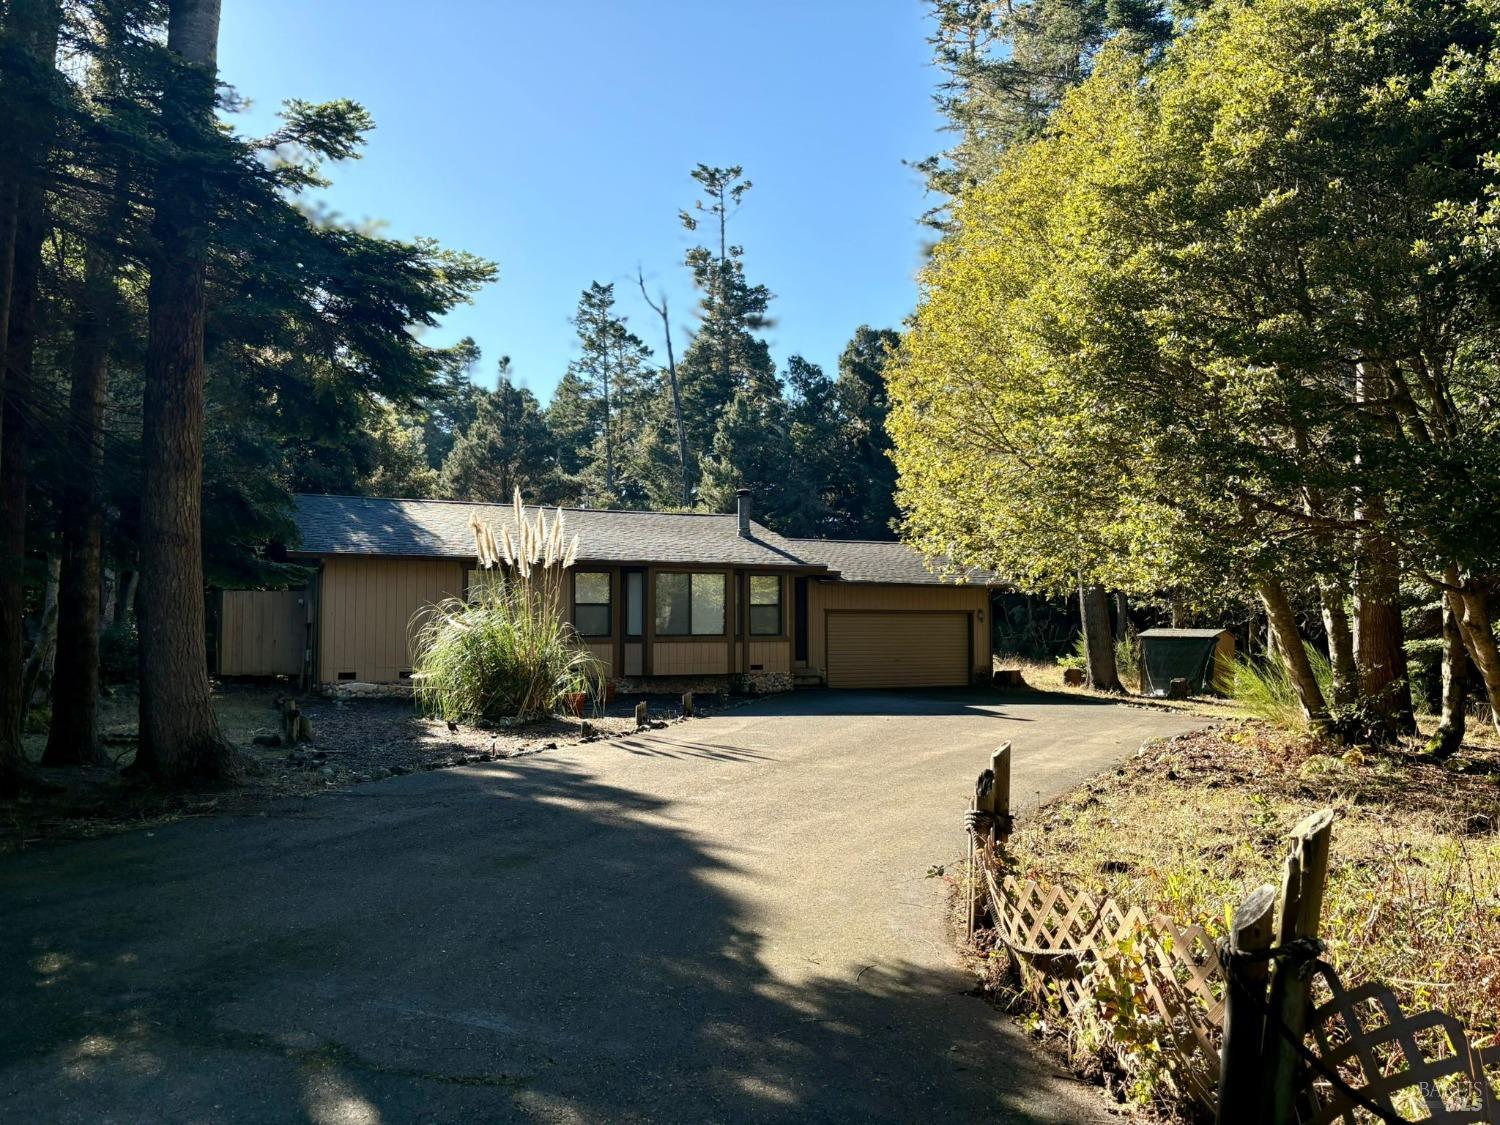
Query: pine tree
x,y
867,483
507,447
1007,66
818,452
451,408
726,355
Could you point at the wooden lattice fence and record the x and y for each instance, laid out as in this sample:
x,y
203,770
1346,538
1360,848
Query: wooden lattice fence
x,y
1160,991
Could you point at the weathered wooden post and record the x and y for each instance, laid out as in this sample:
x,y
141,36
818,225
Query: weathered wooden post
x,y
983,805
642,715
1000,794
687,705
1301,907
1241,1093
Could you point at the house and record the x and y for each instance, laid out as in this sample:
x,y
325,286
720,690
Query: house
x,y
660,598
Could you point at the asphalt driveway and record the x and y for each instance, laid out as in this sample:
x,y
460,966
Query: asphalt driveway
x,y
727,920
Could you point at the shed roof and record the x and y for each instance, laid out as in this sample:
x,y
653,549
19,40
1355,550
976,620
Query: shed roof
x,y
1201,634
369,525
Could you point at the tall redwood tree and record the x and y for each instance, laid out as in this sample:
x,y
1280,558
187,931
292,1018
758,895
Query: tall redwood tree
x,y
180,743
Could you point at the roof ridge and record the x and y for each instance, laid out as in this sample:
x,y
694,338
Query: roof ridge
x,y
508,504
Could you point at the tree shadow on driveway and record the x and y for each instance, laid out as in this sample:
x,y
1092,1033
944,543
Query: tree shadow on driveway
x,y
516,941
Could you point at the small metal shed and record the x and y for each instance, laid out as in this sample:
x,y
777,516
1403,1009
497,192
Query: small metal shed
x,y
1202,657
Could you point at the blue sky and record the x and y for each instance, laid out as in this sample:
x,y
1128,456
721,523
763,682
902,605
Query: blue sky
x,y
557,140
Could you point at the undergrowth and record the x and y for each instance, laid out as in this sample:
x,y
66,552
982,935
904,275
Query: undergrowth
x,y
1190,826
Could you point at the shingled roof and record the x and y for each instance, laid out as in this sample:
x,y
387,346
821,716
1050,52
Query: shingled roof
x,y
368,525
871,560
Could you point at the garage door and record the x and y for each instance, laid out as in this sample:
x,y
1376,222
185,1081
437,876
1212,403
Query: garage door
x,y
880,650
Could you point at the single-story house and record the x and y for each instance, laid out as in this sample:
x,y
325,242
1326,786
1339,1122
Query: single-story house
x,y
655,596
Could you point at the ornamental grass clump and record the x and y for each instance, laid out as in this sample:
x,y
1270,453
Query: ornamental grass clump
x,y
1264,688
506,652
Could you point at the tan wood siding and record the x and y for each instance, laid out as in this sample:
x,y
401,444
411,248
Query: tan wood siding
x,y
367,607
634,658
262,632
892,649
689,658
771,656
604,652
973,601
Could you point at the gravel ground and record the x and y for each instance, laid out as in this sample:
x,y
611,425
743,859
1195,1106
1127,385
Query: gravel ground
x,y
354,742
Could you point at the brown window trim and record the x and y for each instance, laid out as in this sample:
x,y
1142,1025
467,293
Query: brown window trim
x,y
610,605
781,633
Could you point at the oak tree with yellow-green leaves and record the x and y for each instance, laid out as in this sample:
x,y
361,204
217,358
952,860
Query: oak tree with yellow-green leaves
x,y
1230,323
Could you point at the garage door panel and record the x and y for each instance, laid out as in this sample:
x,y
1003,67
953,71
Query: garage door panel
x,y
870,650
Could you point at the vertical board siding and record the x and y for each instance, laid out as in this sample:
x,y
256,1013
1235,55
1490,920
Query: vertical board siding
x,y
368,604
604,652
262,632
634,658
872,597
772,656
689,658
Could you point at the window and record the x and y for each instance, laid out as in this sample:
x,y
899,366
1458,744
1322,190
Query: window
x,y
635,603
591,603
765,605
690,605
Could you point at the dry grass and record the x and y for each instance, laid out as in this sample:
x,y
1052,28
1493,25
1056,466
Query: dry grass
x,y
1047,675
1192,824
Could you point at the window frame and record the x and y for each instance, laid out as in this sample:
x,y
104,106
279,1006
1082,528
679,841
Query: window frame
x,y
751,606
609,606
690,635
625,576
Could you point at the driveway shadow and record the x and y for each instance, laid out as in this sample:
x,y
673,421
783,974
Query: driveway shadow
x,y
509,942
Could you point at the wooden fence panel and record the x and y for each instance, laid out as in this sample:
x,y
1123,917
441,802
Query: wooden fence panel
x,y
262,632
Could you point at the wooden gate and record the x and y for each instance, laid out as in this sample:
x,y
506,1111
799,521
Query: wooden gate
x,y
262,632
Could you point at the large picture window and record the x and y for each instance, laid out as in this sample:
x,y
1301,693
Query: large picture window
x,y
690,605
765,605
591,602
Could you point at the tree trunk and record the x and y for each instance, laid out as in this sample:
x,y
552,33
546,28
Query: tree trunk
x,y
109,590
1379,639
1340,645
1282,623
1098,639
1479,636
73,737
25,145
180,743
682,446
125,607
44,649
1450,733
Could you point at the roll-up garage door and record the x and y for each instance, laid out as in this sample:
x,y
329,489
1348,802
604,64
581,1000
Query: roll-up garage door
x,y
907,649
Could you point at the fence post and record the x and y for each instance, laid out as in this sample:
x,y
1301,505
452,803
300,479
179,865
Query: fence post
x,y
984,802
1301,906
1000,794
1240,1072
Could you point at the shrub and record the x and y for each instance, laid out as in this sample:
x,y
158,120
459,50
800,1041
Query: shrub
x,y
1263,688
502,655
1128,657
507,652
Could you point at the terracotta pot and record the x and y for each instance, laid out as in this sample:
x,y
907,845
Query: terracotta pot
x,y
575,701
609,693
